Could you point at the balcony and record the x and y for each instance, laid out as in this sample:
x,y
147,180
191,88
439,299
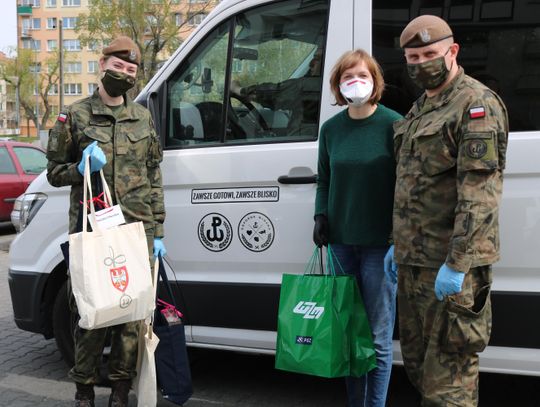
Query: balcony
x,y
25,33
24,10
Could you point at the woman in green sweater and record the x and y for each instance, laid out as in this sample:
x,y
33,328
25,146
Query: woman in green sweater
x,y
353,206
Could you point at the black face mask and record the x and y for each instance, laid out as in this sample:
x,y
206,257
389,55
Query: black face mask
x,y
117,83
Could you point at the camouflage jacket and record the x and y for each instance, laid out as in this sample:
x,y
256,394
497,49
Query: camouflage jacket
x,y
450,152
133,153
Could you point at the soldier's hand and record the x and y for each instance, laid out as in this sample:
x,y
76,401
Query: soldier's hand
x,y
390,266
97,158
159,248
448,282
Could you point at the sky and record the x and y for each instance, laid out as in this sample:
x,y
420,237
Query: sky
x,y
8,25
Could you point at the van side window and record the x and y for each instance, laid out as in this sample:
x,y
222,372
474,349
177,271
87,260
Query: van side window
x,y
499,45
257,78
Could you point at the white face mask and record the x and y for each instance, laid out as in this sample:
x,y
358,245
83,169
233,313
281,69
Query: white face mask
x,y
356,91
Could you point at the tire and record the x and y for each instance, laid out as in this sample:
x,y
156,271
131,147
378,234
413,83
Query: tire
x,y
63,324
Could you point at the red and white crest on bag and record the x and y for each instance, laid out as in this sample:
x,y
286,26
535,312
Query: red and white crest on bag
x,y
119,278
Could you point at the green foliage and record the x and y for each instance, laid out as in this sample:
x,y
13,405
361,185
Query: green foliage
x,y
152,24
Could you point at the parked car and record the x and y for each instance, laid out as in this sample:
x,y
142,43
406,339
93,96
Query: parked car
x,y
20,164
235,168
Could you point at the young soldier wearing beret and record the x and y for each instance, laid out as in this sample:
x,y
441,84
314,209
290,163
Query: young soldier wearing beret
x,y
119,137
450,152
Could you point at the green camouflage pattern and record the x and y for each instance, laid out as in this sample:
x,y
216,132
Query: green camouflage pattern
x,y
444,375
133,153
449,172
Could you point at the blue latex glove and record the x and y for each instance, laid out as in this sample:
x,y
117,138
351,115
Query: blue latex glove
x,y
390,266
448,282
159,248
97,158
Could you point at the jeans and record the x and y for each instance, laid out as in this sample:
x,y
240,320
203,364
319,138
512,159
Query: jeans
x,y
379,296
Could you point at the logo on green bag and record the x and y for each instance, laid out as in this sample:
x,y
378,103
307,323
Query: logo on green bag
x,y
309,309
304,340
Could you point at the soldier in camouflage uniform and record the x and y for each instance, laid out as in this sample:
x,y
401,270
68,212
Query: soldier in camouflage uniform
x,y
120,138
450,152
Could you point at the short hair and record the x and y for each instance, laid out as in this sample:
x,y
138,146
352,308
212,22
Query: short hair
x,y
350,59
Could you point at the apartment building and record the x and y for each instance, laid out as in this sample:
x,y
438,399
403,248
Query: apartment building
x,y
8,115
37,25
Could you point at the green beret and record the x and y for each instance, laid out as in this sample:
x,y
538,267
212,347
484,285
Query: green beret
x,y
424,30
124,48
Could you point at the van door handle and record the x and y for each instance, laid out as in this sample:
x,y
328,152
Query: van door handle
x,y
287,179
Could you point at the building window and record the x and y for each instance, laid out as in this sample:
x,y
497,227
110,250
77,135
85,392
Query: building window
x,y
72,45
70,22
35,24
196,19
51,3
33,3
92,66
92,46
31,44
51,23
72,89
92,88
53,90
196,1
178,19
73,67
52,45
237,66
71,3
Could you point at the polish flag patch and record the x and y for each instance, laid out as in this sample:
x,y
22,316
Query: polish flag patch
x,y
62,117
477,112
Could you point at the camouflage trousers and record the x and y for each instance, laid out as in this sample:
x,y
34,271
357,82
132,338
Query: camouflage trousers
x,y
440,339
89,344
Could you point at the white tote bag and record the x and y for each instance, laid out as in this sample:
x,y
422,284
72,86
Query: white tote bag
x,y
145,383
109,268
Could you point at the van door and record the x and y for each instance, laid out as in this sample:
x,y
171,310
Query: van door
x,y
243,110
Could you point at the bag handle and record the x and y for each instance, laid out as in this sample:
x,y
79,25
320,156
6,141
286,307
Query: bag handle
x,y
165,279
87,188
331,261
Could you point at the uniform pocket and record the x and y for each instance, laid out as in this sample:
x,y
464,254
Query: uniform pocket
x,y
432,151
467,330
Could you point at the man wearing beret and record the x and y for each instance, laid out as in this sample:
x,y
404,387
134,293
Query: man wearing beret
x,y
119,137
450,151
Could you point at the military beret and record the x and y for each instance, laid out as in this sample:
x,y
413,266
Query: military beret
x,y
124,48
424,30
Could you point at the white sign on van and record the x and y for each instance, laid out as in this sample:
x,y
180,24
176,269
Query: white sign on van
x,y
242,194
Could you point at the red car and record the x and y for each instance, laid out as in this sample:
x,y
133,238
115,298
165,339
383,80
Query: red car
x,y
20,163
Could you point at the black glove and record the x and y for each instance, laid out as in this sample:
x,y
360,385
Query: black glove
x,y
320,231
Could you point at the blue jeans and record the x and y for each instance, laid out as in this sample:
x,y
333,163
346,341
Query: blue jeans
x,y
379,295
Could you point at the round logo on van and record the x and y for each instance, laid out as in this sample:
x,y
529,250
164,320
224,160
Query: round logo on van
x,y
256,232
215,232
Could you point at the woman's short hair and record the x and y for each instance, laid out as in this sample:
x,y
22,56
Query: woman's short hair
x,y
350,59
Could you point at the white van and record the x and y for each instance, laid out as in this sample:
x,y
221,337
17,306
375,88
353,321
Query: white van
x,y
240,171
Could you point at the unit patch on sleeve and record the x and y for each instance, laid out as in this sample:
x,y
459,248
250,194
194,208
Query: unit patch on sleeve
x,y
477,112
62,117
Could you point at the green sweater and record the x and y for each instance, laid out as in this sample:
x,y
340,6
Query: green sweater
x,y
356,177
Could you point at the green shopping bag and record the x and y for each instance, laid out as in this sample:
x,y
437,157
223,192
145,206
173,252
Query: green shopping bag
x,y
362,351
315,323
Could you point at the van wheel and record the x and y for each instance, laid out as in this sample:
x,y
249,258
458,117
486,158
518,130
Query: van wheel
x,y
63,324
